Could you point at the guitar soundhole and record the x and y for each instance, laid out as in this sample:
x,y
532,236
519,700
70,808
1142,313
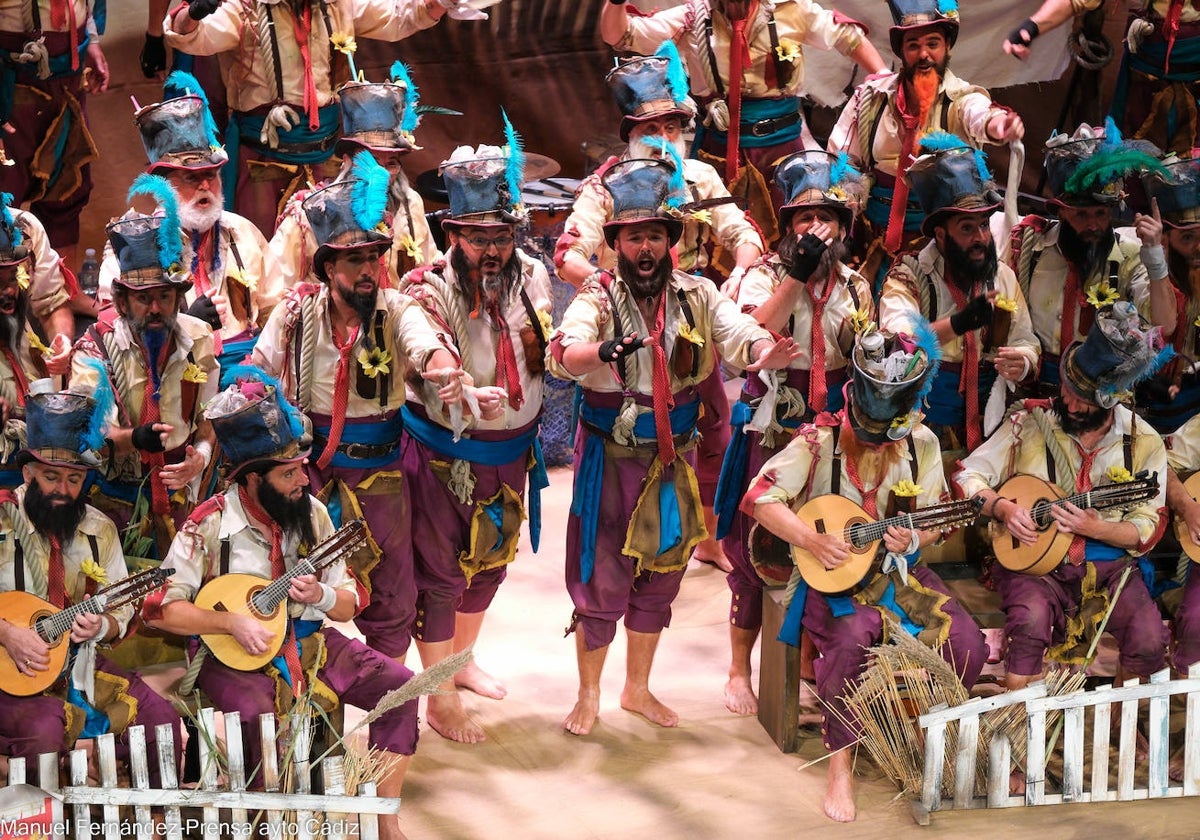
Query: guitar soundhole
x,y
252,599
38,624
857,533
1041,514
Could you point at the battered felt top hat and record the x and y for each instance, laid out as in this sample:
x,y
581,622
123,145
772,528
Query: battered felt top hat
x,y
891,375
179,132
819,179
917,14
64,428
253,422
1120,351
148,248
950,177
483,186
379,116
1088,168
1178,192
13,248
350,213
651,87
643,190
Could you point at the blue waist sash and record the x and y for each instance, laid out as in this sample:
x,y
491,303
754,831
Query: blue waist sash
x,y
879,209
945,405
757,110
492,453
589,478
303,629
731,483
235,351
1095,551
377,434
330,117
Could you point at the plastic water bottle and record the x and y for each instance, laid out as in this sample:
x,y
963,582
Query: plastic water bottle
x,y
89,273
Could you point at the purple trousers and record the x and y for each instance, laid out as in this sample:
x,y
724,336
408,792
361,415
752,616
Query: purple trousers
x,y
357,674
713,427
745,586
444,524
33,725
615,590
1187,624
842,643
1036,609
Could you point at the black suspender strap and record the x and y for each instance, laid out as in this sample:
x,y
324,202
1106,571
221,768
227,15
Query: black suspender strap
x,y
691,322
268,10
18,566
534,321
835,471
1051,472
1127,441
223,563
712,58
783,69
618,327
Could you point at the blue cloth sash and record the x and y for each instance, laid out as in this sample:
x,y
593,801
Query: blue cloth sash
x,y
60,67
589,478
731,483
1185,67
756,110
240,123
1095,551
945,405
879,209
303,629
382,432
789,632
235,351
95,721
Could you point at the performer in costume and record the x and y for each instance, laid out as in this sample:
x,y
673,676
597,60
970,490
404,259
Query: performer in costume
x,y
875,452
807,292
639,345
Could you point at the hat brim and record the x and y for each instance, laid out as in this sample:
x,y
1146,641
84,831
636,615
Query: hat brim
x,y
237,470
939,216
352,145
483,220
896,33
326,252
845,214
1070,375
674,228
628,122
163,166
183,285
54,458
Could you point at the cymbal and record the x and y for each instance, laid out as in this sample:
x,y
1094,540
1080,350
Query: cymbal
x,y
538,167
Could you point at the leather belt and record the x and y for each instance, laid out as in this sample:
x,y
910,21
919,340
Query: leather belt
x,y
359,451
764,127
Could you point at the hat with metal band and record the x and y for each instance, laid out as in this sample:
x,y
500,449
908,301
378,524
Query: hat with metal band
x,y
651,88
643,190
892,373
483,185
66,428
1121,350
179,132
819,179
254,423
911,15
950,177
1088,168
14,248
379,116
149,248
1178,192
350,213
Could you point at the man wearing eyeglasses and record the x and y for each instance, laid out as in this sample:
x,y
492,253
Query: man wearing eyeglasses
x,y
224,252
493,303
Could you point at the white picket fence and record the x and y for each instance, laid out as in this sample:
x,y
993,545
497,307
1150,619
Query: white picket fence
x,y
227,807
968,718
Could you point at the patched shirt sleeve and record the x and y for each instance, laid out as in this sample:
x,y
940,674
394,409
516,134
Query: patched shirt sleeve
x,y
583,232
985,468
898,303
390,20
219,32
645,33
758,284
786,473
191,555
1183,447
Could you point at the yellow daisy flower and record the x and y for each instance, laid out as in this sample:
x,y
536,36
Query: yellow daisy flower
x,y
906,488
374,361
343,42
1006,303
1117,474
409,246
788,50
194,373
1101,294
546,322
94,570
860,320
690,335
37,345
703,217
23,276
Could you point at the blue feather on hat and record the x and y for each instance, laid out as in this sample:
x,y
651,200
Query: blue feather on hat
x,y
93,438
947,7
514,169
180,84
842,169
678,189
937,141
6,199
231,376
368,197
411,97
170,247
927,342
677,81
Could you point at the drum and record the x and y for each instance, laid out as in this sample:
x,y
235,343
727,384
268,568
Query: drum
x,y
548,203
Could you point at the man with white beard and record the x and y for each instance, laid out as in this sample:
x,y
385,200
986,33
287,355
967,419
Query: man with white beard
x,y
230,289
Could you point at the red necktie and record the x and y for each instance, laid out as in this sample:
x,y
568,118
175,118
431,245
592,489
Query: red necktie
x,y
969,378
56,586
303,27
506,359
160,500
664,401
869,502
739,55
341,397
1074,301
203,258
1083,483
895,229
18,374
816,374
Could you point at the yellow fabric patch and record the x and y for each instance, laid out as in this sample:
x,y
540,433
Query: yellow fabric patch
x,y
490,547
642,536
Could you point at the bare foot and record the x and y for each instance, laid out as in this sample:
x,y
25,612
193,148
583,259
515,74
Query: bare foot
x,y
711,553
1175,766
448,718
839,792
1016,783
648,706
474,678
583,717
739,696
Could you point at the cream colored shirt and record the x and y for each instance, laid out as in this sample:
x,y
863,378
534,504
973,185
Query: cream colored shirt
x,y
195,553
409,338
1189,14
476,339
37,555
47,286
10,386
900,304
15,16
1183,447
246,66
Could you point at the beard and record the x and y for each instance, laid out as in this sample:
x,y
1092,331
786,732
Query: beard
x,y
649,285
1086,254
1078,424
194,217
733,9
54,514
363,304
966,267
14,312
834,254
925,79
639,148
497,281
294,516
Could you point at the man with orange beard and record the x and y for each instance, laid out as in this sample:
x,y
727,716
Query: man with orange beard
x,y
881,124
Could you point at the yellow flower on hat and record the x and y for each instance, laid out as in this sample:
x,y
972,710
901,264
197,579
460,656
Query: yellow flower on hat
x,y
546,322
194,373
343,42
23,276
838,194
409,246
1117,474
94,570
1196,323
1006,303
906,488
703,217
690,335
374,361
788,50
1101,294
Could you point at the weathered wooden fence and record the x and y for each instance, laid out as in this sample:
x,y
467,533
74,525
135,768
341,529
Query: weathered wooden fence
x,y
226,806
971,721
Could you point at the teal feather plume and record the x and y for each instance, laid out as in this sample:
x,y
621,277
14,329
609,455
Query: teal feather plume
x,y
514,168
412,114
104,398
841,170
1109,165
369,193
180,84
677,81
945,7
927,341
231,376
170,246
6,199
676,186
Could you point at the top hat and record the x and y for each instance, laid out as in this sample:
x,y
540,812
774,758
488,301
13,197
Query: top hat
x,y
254,423
350,213
379,116
1088,168
1178,192
819,179
891,375
1120,351
65,428
179,132
643,190
650,88
950,178
918,14
483,186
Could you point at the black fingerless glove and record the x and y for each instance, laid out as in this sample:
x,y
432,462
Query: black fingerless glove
x,y
1028,28
608,350
809,251
146,439
200,9
974,315
206,311
154,55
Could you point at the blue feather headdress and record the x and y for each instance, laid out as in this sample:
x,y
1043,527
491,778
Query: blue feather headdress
x,y
1112,161
180,84
6,200
927,342
514,169
936,141
104,398
231,376
677,186
368,197
412,116
170,246
677,81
